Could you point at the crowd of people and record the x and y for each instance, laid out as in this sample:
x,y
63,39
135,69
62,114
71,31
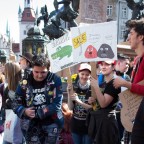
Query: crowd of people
x,y
33,96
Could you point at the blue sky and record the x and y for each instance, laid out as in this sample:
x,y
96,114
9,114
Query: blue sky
x,y
9,12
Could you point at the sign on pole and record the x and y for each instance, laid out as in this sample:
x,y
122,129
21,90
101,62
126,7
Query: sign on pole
x,y
95,42
87,43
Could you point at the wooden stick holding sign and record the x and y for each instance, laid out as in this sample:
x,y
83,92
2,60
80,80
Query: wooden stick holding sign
x,y
93,74
69,82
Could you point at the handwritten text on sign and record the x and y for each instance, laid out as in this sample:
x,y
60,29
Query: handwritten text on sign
x,y
130,105
79,40
94,42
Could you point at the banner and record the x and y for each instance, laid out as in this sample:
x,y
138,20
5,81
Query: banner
x,y
94,42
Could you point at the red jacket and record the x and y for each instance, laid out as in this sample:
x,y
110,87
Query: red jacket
x,y
139,76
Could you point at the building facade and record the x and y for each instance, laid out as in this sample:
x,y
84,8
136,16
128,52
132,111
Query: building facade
x,y
4,48
27,19
94,11
119,11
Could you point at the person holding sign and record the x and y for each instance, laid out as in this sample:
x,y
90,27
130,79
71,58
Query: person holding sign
x,y
102,123
136,40
78,102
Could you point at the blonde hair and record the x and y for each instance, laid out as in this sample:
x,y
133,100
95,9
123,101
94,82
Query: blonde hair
x,y
12,74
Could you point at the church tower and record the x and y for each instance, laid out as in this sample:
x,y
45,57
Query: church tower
x,y
26,20
28,4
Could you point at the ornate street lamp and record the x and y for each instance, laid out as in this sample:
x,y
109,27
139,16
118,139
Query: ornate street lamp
x,y
36,42
2,56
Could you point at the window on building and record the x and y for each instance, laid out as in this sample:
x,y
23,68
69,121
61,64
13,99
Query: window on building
x,y
123,22
109,10
122,34
124,12
25,32
28,14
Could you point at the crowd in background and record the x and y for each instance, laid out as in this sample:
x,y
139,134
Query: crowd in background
x,y
34,97
75,129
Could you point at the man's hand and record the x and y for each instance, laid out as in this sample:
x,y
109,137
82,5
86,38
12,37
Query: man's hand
x,y
118,82
30,112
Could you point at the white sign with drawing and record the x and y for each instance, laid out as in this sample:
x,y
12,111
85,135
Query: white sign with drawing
x,y
60,53
95,42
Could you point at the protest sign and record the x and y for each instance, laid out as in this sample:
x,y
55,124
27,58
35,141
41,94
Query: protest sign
x,y
87,43
94,42
130,104
60,53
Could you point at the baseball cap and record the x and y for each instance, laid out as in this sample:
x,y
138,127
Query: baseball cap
x,y
108,62
28,56
85,66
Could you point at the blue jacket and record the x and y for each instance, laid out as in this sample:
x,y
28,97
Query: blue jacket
x,y
47,99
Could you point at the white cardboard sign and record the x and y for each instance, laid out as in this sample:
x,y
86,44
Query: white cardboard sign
x,y
130,104
94,42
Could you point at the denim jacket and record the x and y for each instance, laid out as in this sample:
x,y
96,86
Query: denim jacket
x,y
52,93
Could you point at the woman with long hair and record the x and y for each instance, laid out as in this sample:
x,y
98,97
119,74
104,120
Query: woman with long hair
x,y
12,77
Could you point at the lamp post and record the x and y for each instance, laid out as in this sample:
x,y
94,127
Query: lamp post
x,y
2,56
36,42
